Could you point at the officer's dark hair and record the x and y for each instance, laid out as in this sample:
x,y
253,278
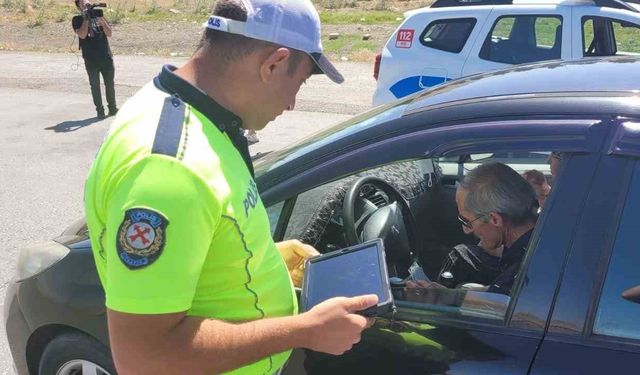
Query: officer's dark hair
x,y
495,187
231,47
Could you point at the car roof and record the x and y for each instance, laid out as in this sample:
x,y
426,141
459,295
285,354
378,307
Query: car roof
x,y
613,74
453,5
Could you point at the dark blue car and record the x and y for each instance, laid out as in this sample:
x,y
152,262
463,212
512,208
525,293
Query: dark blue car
x,y
392,173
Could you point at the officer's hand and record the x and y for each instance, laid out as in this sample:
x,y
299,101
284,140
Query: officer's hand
x,y
294,253
335,327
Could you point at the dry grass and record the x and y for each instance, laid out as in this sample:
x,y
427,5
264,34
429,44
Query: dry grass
x,y
204,6
363,55
173,19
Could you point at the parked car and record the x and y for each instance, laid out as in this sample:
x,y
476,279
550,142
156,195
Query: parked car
x,y
572,308
456,38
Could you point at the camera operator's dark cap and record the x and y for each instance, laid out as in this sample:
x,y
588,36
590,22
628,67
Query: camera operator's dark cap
x,y
290,23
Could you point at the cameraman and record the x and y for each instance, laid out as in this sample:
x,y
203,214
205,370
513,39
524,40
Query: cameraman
x,y
93,30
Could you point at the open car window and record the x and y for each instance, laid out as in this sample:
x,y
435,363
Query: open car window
x,y
317,218
459,165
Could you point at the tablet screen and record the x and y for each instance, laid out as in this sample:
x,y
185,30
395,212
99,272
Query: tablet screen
x,y
347,275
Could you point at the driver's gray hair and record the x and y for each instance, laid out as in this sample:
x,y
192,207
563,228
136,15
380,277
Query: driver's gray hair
x,y
495,187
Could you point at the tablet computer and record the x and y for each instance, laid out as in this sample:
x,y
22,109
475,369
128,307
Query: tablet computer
x,y
348,272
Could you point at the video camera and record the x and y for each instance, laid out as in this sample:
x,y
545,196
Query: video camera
x,y
94,11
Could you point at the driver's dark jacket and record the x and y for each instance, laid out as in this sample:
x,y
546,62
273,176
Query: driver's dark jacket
x,y
510,265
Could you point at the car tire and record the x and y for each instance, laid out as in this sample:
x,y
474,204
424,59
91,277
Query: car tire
x,y
69,353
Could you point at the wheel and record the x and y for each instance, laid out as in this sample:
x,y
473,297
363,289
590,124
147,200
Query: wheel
x,y
393,222
76,354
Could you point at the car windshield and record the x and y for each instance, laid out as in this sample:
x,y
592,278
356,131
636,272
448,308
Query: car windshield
x,y
318,140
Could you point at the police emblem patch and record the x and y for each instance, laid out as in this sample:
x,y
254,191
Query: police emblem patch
x,y
141,237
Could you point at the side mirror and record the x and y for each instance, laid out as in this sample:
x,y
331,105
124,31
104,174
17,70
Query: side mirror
x,y
632,294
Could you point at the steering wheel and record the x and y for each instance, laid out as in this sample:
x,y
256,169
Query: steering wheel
x,y
393,223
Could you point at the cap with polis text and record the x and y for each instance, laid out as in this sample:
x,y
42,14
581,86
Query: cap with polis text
x,y
289,23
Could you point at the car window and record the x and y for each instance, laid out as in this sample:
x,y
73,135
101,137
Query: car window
x,y
617,316
523,39
273,212
627,36
547,30
317,219
448,35
519,161
456,300
608,37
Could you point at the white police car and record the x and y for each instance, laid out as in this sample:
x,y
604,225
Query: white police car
x,y
455,38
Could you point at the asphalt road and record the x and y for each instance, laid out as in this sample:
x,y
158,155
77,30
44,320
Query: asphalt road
x,y
49,138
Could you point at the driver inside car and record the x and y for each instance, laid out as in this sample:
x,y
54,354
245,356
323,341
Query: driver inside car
x,y
499,207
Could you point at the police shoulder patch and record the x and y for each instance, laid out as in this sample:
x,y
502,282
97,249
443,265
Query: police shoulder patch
x,y
141,237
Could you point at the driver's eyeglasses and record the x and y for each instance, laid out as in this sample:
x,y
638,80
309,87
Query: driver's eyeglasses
x,y
468,223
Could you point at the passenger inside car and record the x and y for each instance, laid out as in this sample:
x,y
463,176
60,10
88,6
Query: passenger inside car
x,y
539,183
555,159
500,208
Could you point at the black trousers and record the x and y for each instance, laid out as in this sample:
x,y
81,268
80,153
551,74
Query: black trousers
x,y
94,69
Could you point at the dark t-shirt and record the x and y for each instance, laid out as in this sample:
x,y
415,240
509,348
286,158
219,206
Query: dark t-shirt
x,y
96,46
510,265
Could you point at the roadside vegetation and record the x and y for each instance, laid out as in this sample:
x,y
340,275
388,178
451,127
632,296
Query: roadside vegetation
x,y
360,28
343,17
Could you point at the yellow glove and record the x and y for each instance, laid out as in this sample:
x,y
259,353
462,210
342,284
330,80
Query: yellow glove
x,y
294,253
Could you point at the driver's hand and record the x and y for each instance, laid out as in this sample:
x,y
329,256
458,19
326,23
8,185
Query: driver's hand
x,y
294,253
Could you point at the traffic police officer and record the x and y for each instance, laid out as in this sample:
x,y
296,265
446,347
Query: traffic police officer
x,y
193,281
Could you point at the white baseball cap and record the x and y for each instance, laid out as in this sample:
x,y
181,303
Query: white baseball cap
x,y
289,23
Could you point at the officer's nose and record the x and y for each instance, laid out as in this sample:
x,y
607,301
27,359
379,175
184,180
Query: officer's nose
x,y
292,105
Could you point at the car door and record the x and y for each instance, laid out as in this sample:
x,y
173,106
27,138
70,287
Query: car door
x,y
605,32
594,326
428,49
517,36
478,331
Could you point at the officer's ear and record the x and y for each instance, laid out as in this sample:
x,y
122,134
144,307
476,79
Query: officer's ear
x,y
274,63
